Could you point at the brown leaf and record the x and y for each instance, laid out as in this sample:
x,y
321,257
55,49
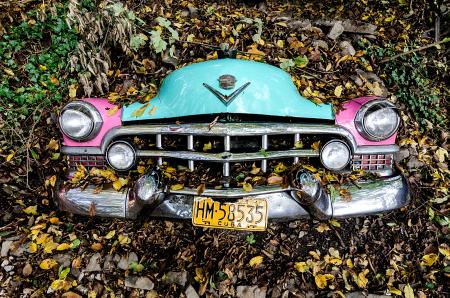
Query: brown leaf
x,y
92,211
201,188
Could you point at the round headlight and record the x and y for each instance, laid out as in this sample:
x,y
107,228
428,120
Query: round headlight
x,y
80,121
121,156
335,155
377,120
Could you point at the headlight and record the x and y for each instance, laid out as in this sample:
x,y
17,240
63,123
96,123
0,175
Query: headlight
x,y
146,186
377,120
121,156
80,121
335,155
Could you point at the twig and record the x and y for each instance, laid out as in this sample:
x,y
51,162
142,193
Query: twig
x,y
415,50
339,236
313,75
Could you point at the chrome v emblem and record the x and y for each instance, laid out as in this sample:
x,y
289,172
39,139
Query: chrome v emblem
x,y
226,99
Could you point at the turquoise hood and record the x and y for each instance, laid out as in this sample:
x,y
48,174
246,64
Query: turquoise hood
x,y
271,92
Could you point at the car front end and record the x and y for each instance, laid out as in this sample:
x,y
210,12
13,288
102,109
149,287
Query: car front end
x,y
232,144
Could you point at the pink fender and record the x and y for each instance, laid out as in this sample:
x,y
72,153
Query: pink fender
x,y
346,117
109,122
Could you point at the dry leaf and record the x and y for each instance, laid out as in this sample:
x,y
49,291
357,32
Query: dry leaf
x,y
200,189
256,261
301,267
72,91
31,210
429,259
409,293
177,187
63,246
110,234
247,187
96,246
140,111
338,91
112,111
48,264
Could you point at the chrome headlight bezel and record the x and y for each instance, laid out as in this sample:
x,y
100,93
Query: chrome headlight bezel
x,y
365,110
126,144
90,111
347,160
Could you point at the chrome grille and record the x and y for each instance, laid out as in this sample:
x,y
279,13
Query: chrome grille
x,y
88,161
372,162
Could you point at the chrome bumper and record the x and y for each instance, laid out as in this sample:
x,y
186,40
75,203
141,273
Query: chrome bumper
x,y
368,197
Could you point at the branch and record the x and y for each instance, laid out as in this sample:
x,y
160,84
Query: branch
x,y
447,39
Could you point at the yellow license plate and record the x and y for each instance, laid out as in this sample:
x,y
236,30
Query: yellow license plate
x,y
245,214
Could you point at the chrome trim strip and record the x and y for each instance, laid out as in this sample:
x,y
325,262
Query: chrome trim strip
x,y
81,150
227,156
382,149
230,193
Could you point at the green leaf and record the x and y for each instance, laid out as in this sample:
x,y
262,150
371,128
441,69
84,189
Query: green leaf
x,y
250,239
136,267
301,61
157,42
286,64
137,41
63,272
75,243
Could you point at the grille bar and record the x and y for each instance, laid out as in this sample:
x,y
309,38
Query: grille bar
x,y
88,161
264,146
372,162
227,157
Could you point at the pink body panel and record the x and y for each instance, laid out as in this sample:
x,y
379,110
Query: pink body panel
x,y
109,122
346,116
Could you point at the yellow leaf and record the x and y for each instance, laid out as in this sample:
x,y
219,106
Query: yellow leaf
x,y
9,72
48,264
256,261
231,40
42,67
53,145
199,275
110,234
50,246
76,263
315,146
429,259
141,169
394,290
152,111
139,112
70,294
298,145
32,210
32,248
322,228
389,19
61,284
409,293
10,156
132,91
441,153
361,279
207,146
280,43
444,249
54,81
96,246
54,220
309,168
247,187
315,255
338,91
112,111
349,263
335,223
72,91
301,267
124,239
177,187
255,170
119,183
51,181
63,246
321,281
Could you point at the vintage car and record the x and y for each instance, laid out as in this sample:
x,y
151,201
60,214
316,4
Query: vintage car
x,y
253,113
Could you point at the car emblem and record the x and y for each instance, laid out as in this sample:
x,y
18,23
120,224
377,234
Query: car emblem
x,y
227,81
226,99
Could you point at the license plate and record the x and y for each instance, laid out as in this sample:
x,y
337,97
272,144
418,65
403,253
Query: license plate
x,y
245,214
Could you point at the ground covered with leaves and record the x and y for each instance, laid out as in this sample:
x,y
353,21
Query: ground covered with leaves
x,y
54,51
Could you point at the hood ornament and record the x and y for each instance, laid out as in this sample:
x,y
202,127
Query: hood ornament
x,y
226,82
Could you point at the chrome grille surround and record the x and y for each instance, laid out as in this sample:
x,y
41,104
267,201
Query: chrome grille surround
x,y
372,162
88,161
227,131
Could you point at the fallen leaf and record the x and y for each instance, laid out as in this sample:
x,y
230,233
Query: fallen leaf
x,y
61,284
201,189
70,295
10,156
27,270
76,263
53,144
33,247
96,246
256,261
152,110
429,259
112,111
315,146
31,210
321,281
72,91
409,293
140,111
338,91
394,290
48,264
247,187
110,234
301,267
272,180
334,223
63,246
322,228
176,187
119,183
